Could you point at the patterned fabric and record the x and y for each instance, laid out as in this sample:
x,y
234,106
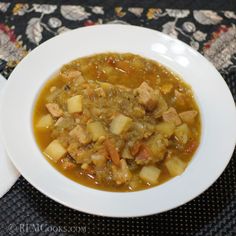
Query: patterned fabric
x,y
23,26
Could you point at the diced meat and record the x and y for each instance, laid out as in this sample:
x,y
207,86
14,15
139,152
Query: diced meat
x,y
112,152
144,155
54,109
147,96
73,150
82,134
121,174
71,75
171,116
188,116
179,98
67,164
58,122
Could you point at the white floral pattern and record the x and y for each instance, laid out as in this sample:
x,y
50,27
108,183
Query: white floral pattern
x,y
199,36
44,8
137,11
74,13
189,27
54,22
222,48
34,30
9,50
4,6
98,10
207,17
177,13
230,14
169,28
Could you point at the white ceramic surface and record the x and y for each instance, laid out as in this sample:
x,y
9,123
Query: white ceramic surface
x,y
215,101
8,173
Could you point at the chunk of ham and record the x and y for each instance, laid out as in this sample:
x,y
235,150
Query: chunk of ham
x,y
69,76
121,174
81,134
188,116
147,96
54,109
143,156
179,98
171,116
141,152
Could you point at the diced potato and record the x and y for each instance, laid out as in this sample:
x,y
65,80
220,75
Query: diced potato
x,y
150,174
120,124
182,133
175,166
188,116
45,122
74,104
98,160
85,166
55,150
166,128
96,130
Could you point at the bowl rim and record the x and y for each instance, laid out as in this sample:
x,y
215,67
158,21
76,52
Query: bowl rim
x,y
11,148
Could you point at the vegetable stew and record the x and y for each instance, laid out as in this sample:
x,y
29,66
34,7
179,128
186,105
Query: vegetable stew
x,y
117,122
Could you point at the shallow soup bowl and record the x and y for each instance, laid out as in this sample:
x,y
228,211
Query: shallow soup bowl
x,y
215,101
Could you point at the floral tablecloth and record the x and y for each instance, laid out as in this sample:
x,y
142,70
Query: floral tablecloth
x,y
24,26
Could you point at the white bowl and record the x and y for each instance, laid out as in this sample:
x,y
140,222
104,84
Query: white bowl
x,y
213,96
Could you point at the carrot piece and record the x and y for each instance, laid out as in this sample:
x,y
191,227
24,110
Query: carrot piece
x,y
114,155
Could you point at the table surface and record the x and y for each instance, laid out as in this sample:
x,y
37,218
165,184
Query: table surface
x,y
24,25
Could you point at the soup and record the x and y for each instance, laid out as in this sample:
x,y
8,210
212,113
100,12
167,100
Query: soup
x,y
117,122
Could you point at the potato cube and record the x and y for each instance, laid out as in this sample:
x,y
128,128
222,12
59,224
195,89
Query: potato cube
x,y
175,166
74,104
120,124
166,128
55,150
96,130
150,174
45,122
182,133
